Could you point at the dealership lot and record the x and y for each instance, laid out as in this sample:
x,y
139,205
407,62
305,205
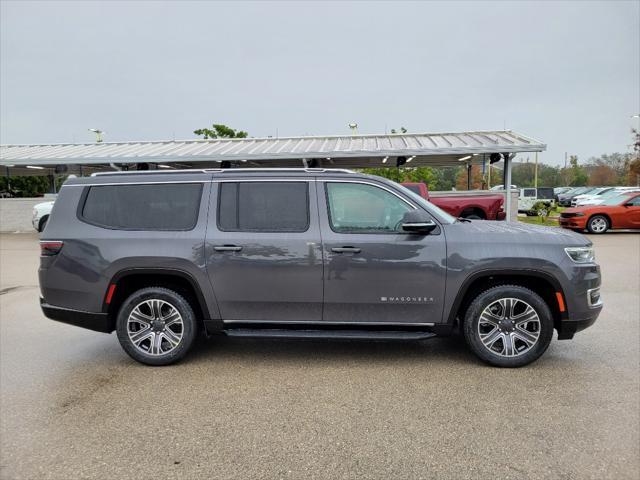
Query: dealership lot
x,y
73,405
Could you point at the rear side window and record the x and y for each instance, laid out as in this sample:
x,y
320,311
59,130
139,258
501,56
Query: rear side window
x,y
263,207
143,207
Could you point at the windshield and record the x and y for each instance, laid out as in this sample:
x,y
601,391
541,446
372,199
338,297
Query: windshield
x,y
430,207
617,199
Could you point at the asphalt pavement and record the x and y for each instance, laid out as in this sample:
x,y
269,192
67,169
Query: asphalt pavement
x,y
73,405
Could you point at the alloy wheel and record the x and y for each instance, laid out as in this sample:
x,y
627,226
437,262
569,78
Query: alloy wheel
x,y
155,327
598,225
509,327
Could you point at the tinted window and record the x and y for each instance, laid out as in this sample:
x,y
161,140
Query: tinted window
x,y
529,192
361,208
263,207
635,202
144,207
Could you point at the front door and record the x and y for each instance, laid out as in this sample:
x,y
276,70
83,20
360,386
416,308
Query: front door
x,y
263,250
374,272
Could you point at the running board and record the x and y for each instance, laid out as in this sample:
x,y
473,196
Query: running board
x,y
328,334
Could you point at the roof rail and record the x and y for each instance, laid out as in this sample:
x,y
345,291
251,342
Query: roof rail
x,y
222,170
151,172
282,169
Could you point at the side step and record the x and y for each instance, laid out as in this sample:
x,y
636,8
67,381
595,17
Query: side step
x,y
328,334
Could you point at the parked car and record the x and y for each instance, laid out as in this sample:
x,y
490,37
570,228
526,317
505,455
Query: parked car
x,y
598,199
474,207
564,199
501,187
559,190
303,253
619,211
593,193
529,197
40,215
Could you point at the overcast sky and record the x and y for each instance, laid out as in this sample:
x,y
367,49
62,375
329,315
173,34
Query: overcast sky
x,y
565,73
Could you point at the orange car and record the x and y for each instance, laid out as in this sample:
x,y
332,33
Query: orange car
x,y
619,211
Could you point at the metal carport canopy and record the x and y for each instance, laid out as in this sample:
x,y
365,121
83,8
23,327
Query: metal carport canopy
x,y
348,151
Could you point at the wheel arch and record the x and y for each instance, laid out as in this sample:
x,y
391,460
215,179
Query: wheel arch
x,y
542,283
474,210
600,214
41,222
129,280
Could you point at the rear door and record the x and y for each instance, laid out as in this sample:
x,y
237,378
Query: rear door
x,y
263,249
374,272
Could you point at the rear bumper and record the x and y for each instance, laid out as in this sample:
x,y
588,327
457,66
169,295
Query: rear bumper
x,y
99,322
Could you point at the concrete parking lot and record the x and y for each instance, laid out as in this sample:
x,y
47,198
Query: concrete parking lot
x,y
73,405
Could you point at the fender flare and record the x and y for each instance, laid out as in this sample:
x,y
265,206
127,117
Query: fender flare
x,y
162,271
524,272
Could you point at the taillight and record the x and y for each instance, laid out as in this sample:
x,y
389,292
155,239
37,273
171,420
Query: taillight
x,y
49,248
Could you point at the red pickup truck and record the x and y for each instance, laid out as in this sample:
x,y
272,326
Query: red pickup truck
x,y
484,207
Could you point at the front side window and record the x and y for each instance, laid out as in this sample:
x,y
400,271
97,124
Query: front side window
x,y
263,207
529,192
362,208
635,202
143,207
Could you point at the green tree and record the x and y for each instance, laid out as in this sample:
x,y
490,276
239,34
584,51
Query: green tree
x,y
26,186
220,131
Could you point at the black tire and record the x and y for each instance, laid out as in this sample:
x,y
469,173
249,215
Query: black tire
x,y
595,223
178,302
43,223
489,297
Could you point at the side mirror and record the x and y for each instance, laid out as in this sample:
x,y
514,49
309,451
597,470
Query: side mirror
x,y
418,222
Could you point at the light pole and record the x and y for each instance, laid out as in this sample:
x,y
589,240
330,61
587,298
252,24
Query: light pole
x,y
98,133
354,128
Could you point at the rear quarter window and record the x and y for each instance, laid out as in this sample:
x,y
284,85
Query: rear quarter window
x,y
143,207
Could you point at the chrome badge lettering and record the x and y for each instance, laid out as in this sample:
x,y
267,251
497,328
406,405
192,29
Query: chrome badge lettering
x,y
396,299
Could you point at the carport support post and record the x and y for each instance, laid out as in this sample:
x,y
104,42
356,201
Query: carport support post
x,y
507,184
469,176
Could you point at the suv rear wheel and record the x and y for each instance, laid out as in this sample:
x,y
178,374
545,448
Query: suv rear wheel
x,y
508,326
156,326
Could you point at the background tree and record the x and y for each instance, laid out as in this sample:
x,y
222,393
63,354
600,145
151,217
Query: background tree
x,y
476,178
220,131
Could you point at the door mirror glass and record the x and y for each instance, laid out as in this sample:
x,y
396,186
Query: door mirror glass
x,y
418,222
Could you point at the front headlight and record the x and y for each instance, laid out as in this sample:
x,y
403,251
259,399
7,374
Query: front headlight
x,y
581,254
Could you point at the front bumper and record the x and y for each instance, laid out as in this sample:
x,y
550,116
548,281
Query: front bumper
x,y
568,328
573,222
99,322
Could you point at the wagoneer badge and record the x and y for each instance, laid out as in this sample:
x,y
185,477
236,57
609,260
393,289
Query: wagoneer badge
x,y
407,299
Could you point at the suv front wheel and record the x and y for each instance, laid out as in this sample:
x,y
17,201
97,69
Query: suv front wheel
x,y
508,326
156,326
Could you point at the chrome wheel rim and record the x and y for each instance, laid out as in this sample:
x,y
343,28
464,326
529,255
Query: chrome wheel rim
x,y
509,327
598,225
155,327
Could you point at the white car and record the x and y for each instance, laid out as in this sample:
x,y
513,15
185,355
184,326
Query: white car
x,y
592,194
602,196
40,215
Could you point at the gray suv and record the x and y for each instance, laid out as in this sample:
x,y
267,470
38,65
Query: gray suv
x,y
303,253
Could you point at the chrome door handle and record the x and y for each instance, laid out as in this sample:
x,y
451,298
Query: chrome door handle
x,y
227,248
346,249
